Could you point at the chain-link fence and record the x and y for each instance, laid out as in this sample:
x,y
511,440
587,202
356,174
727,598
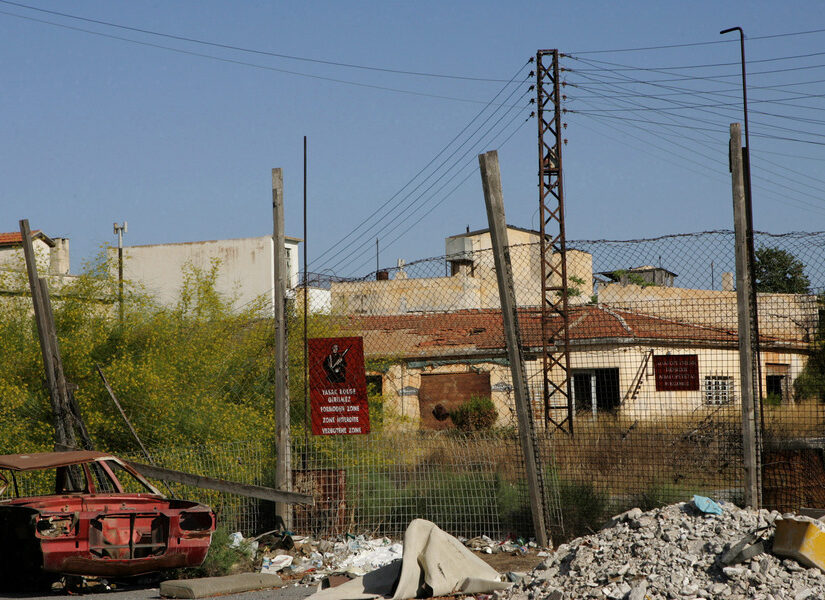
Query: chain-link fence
x,y
654,382
654,370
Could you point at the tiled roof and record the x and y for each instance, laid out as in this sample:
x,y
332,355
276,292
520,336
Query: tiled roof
x,y
15,238
467,331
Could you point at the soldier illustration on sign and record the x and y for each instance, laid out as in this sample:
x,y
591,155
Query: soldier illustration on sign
x,y
335,365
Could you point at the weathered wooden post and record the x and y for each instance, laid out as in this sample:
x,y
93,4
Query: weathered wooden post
x,y
491,181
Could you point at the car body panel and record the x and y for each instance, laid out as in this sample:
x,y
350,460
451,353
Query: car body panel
x,y
91,531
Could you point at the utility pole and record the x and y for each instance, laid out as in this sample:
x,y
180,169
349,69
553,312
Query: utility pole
x,y
283,466
66,411
494,201
119,231
62,430
747,373
555,325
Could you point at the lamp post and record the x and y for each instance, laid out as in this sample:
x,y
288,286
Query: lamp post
x,y
754,316
746,160
746,149
119,231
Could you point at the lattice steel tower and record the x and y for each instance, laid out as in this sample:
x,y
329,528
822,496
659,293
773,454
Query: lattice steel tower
x,y
555,330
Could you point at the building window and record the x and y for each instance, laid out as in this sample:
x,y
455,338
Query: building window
x,y
718,389
596,390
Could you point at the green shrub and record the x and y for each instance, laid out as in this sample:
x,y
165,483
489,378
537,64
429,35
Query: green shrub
x,y
773,400
459,501
223,559
584,508
660,494
476,414
513,507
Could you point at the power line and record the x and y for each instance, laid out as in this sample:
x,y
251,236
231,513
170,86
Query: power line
x,y
694,44
714,105
377,211
715,78
798,203
666,112
448,194
247,50
679,104
399,217
737,90
243,63
619,67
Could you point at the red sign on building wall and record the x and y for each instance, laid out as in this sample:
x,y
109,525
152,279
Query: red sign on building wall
x,y
338,386
676,372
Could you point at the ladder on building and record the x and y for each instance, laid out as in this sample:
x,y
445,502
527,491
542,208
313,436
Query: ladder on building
x,y
639,378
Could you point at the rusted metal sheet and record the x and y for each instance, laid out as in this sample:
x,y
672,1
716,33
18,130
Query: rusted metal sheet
x,y
441,393
328,487
49,460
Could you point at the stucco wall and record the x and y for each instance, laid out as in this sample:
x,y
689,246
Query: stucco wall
x,y
401,382
11,257
474,287
789,316
245,271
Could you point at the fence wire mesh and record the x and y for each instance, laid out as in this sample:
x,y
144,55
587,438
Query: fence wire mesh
x,y
655,386
654,359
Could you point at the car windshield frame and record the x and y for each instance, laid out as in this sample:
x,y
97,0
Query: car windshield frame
x,y
108,472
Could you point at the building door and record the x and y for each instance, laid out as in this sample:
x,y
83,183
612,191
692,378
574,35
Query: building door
x,y
776,383
441,393
596,390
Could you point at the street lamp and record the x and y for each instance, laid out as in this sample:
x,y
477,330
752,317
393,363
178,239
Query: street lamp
x,y
119,231
746,163
746,150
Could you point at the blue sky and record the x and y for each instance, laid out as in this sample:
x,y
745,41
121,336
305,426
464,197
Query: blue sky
x,y
96,129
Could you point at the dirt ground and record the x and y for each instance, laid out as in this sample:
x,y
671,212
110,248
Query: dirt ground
x,y
515,561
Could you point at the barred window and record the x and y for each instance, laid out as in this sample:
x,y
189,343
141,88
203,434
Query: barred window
x,y
718,389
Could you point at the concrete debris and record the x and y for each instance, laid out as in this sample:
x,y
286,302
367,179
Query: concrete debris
x,y
488,546
674,552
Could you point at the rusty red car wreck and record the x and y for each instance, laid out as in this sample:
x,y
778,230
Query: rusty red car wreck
x,y
89,513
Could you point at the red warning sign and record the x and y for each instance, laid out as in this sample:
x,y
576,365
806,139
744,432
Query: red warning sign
x,y
338,386
676,373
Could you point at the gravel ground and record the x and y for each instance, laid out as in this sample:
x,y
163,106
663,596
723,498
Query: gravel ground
x,y
290,592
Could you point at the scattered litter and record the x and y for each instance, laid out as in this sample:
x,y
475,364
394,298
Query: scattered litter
x,y
276,563
706,505
434,563
801,538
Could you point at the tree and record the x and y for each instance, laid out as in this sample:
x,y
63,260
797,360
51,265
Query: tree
x,y
779,271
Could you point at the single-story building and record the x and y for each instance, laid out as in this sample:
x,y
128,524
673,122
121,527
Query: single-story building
x,y
622,362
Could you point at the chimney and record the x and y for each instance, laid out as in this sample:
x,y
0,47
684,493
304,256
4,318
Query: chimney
x,y
59,257
727,282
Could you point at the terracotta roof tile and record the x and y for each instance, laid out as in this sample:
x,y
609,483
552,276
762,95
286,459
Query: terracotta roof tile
x,y
14,238
428,334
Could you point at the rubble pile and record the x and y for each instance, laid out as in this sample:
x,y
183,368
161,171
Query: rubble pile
x,y
675,552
